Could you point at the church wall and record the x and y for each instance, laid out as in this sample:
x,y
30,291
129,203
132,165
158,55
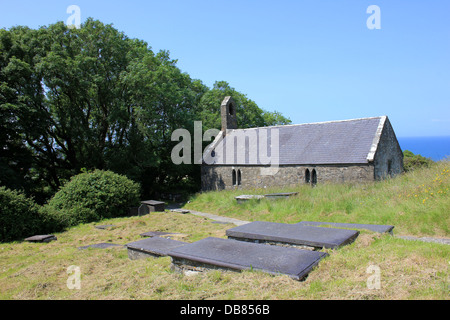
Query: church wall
x,y
221,177
389,156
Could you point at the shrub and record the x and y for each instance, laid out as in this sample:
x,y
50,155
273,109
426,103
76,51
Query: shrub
x,y
19,216
93,196
413,161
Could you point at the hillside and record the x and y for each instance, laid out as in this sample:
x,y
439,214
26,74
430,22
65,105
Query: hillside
x,y
416,203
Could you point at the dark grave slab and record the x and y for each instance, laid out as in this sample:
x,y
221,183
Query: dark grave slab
x,y
100,246
217,253
41,238
155,233
152,247
370,227
294,234
154,206
282,195
104,227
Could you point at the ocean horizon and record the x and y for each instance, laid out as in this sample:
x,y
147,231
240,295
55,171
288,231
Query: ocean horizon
x,y
436,148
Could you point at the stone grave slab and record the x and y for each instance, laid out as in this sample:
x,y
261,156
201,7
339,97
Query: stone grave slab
x,y
370,227
103,245
152,247
155,233
282,195
293,234
104,227
41,238
218,253
154,206
246,197
180,210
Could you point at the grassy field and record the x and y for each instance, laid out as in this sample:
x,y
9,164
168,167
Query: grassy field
x,y
416,203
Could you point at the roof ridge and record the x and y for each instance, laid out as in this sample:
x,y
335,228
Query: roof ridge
x,y
309,123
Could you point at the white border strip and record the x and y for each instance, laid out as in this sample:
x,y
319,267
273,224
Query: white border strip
x,y
376,139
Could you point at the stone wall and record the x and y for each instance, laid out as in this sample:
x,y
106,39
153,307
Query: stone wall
x,y
388,160
221,177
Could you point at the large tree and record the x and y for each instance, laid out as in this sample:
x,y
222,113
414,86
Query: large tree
x,y
92,98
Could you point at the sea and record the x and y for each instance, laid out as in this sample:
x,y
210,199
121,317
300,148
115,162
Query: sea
x,y
436,148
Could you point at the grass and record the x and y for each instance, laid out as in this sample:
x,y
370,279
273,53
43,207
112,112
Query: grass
x,y
408,269
417,203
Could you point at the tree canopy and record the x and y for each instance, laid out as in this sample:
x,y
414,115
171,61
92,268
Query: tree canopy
x,y
92,98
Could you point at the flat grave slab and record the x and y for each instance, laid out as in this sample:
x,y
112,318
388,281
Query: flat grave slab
x,y
281,195
104,227
294,234
41,238
370,227
103,245
155,233
180,210
152,247
246,197
217,253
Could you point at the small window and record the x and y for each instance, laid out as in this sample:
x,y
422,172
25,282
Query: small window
x,y
231,110
234,177
307,176
239,177
314,177
389,168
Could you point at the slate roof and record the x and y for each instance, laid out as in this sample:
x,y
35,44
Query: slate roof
x,y
335,142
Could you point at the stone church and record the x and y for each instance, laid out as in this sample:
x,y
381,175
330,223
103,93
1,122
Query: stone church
x,y
356,150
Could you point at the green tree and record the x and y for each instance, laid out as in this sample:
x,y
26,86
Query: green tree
x,y
92,98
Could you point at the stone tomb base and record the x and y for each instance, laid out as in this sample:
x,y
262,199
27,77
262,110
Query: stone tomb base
x,y
370,227
41,238
154,206
226,254
292,234
151,247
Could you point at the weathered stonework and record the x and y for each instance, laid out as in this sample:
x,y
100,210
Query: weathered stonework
x,y
388,160
220,177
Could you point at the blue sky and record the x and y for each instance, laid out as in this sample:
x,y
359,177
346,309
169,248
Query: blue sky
x,y
312,60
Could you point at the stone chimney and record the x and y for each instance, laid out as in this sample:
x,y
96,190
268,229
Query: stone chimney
x,y
228,114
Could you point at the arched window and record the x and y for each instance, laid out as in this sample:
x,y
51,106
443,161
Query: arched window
x,y
234,177
314,177
239,177
307,176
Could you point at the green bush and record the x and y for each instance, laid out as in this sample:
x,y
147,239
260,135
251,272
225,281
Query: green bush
x,y
93,196
413,161
19,216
